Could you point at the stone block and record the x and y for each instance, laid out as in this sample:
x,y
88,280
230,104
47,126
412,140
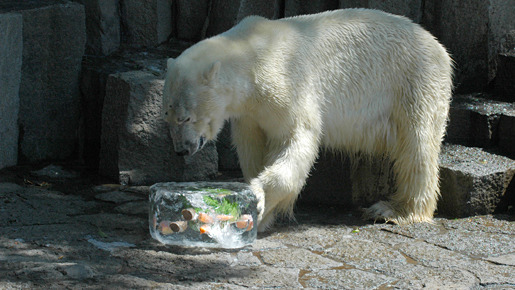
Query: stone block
x,y
191,18
411,9
95,71
54,37
222,16
474,120
10,74
505,78
372,180
507,133
349,182
298,7
329,182
227,155
472,181
146,23
473,32
103,26
136,147
501,31
270,9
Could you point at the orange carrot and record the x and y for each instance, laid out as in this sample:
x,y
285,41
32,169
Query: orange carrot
x,y
224,217
205,218
204,229
242,224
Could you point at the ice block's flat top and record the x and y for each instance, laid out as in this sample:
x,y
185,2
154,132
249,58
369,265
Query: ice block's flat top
x,y
207,186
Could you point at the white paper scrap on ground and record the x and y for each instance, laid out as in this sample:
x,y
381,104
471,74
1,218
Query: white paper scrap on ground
x,y
111,246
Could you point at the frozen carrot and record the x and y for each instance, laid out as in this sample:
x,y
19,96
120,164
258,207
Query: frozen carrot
x,y
188,214
205,218
204,229
224,217
179,226
242,224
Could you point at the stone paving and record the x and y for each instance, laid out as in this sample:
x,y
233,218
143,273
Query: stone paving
x,y
79,233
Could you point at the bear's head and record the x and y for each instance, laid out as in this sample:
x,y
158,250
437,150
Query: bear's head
x,y
191,107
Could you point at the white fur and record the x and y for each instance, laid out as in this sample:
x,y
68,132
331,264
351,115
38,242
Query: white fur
x,y
359,81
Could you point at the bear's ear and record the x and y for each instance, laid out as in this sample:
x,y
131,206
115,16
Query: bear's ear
x,y
170,63
211,74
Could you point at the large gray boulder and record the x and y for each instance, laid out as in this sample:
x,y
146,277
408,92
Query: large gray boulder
x,y
136,147
147,23
472,181
10,73
54,37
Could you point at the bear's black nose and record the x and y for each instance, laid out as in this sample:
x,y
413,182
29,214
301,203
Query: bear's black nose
x,y
183,153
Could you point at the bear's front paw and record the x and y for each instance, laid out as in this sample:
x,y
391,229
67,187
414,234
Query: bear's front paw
x,y
380,211
257,189
266,222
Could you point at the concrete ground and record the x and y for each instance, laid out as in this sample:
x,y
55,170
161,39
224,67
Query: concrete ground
x,y
70,231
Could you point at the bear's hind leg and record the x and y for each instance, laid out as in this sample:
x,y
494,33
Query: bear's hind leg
x,y
417,190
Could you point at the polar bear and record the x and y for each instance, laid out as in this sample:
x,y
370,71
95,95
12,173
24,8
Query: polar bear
x,y
355,80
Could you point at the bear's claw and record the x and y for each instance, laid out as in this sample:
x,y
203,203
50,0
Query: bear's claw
x,y
381,211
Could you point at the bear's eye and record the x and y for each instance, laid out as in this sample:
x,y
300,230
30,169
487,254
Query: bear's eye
x,y
183,120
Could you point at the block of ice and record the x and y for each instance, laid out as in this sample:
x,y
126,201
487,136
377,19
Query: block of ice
x,y
203,214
